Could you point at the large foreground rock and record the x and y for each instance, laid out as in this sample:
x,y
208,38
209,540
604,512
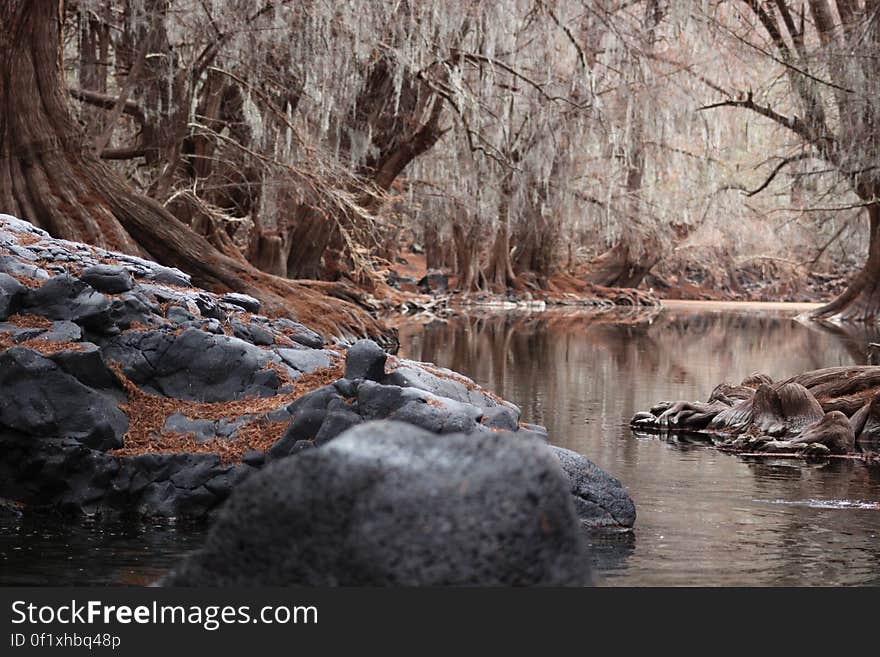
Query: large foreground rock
x,y
388,504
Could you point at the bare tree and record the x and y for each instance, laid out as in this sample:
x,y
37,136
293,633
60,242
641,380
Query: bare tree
x,y
829,53
49,176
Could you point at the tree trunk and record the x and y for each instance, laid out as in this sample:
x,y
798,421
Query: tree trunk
x,y
617,268
860,302
466,258
434,255
499,270
308,239
48,177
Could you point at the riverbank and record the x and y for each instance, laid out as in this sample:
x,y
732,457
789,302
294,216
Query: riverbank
x,y
409,286
129,390
705,517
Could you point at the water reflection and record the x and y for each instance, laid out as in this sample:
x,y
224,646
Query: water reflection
x,y
44,550
705,517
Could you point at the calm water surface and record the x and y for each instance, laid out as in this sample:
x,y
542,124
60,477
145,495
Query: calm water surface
x,y
704,517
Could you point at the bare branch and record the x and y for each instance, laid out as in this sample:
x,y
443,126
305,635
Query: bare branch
x,y
108,102
779,167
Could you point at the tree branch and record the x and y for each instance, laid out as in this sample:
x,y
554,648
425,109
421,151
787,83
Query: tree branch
x,y
786,161
108,102
821,142
125,153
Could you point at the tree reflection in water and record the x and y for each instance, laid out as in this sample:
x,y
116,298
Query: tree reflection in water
x,y
704,517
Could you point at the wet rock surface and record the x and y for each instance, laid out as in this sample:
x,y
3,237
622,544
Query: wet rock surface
x,y
126,389
600,500
388,504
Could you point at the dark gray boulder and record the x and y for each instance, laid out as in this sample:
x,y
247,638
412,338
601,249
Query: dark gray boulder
x,y
453,386
415,406
67,297
335,423
87,365
365,360
63,331
112,279
166,275
251,332
11,295
131,307
304,425
194,364
387,504
307,416
500,417
305,360
298,333
242,301
41,399
377,401
600,500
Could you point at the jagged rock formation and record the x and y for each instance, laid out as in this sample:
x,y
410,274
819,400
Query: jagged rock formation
x,y
126,389
828,411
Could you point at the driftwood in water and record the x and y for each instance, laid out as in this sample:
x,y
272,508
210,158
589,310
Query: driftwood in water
x,y
835,410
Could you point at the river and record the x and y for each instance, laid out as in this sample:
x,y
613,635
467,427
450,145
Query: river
x,y
704,517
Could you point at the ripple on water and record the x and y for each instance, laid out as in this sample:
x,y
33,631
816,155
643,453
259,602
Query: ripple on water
x,y
828,504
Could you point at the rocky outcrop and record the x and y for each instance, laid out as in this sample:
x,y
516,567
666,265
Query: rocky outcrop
x,y
124,388
388,504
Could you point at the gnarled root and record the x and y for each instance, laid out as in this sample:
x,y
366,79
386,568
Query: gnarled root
x,y
828,411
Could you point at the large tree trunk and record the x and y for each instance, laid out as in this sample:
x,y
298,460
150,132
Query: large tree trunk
x,y
499,269
467,265
860,302
309,238
617,268
620,267
48,177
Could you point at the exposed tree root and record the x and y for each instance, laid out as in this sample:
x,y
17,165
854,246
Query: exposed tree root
x,y
835,410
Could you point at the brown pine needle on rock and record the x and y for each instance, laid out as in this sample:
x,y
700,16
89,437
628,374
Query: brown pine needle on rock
x,y
148,413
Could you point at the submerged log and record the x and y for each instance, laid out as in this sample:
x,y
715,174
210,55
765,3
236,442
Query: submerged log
x,y
835,410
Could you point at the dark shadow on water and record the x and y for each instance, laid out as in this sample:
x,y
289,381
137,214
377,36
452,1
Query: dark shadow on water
x,y
39,550
609,551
